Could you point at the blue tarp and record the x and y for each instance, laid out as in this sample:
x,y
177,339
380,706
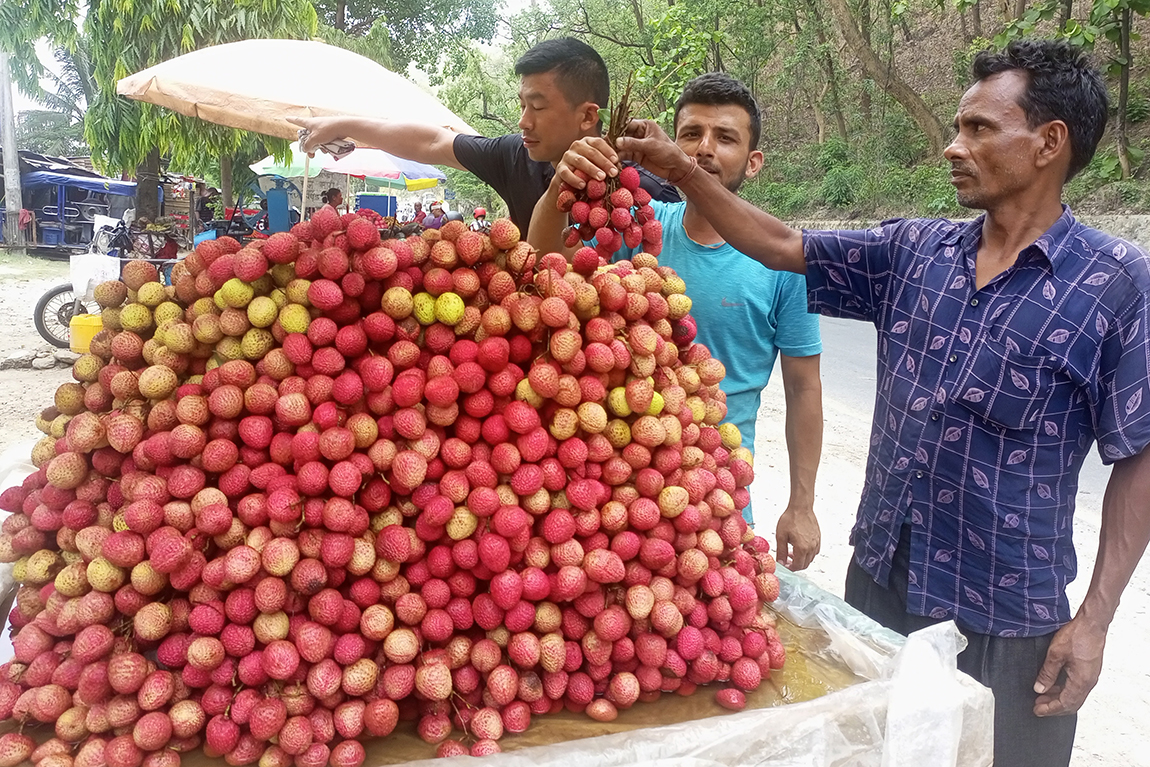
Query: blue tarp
x,y
102,185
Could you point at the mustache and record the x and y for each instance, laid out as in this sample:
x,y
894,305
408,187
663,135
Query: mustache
x,y
966,170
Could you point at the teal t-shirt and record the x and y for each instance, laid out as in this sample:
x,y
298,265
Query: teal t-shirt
x,y
746,313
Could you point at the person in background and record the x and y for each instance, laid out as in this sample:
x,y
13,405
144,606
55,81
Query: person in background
x,y
437,218
205,195
562,84
1008,347
747,315
480,223
420,213
332,197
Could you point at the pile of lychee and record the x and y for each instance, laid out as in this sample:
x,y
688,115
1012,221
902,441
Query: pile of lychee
x,y
323,483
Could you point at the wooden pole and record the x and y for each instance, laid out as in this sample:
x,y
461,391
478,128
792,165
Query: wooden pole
x,y
13,195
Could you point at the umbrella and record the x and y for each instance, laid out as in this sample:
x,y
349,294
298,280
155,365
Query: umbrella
x,y
375,165
243,85
216,84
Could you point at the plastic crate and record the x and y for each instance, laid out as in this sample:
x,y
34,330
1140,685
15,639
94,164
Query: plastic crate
x,y
383,204
51,234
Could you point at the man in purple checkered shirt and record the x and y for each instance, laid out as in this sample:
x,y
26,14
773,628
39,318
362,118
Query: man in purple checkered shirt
x,y
1007,346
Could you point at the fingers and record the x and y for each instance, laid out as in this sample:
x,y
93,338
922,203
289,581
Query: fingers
x,y
783,549
594,157
1051,668
1050,703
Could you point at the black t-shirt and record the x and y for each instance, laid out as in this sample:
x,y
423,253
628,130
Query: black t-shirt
x,y
503,164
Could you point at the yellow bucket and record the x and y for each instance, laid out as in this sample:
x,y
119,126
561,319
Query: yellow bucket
x,y
83,328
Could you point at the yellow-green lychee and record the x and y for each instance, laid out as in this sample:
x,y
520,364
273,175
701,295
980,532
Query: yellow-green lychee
x,y
295,318
236,293
262,311
449,308
423,307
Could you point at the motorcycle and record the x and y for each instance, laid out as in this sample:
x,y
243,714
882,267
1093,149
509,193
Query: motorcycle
x,y
56,308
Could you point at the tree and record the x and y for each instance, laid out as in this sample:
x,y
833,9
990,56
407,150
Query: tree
x,y
884,75
126,36
51,133
417,31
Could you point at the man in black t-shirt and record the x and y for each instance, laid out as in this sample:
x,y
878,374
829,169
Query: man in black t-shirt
x,y
562,85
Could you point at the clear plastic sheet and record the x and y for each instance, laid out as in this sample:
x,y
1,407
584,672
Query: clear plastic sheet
x,y
851,694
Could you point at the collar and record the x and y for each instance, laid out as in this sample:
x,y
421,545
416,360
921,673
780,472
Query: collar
x,y
1052,245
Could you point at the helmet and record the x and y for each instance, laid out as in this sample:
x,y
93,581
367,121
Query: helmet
x,y
480,212
454,215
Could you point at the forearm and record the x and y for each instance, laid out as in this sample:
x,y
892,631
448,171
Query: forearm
x,y
1123,539
746,228
804,433
545,233
427,144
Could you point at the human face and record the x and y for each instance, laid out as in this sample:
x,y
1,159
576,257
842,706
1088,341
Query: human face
x,y
718,136
995,154
549,123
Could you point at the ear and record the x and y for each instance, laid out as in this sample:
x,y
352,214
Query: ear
x,y
1055,146
588,113
754,164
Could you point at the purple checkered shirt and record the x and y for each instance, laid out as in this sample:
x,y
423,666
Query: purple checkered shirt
x,y
987,403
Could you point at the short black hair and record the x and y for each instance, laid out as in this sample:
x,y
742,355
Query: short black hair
x,y
1062,84
720,89
579,69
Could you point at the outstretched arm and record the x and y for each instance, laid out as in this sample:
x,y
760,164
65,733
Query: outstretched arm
x,y
428,144
748,229
1074,659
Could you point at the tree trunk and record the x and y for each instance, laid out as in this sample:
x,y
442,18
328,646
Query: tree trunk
x,y
341,15
864,96
1064,15
641,26
831,84
966,38
148,187
1019,8
890,82
226,179
1124,92
976,18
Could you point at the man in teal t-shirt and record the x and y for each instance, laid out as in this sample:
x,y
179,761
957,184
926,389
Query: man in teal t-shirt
x,y
747,315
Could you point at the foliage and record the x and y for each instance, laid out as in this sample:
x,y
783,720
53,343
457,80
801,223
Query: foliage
x,y
49,132
471,193
417,32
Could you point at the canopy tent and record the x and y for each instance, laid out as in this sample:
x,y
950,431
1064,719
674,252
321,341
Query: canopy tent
x,y
373,165
205,84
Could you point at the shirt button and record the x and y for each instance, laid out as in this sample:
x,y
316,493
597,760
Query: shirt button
x,y
918,475
934,416
974,302
954,358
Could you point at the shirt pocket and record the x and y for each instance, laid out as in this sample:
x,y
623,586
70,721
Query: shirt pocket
x,y
1005,387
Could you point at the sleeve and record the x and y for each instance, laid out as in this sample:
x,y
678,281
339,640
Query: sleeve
x,y
487,158
796,329
847,269
1124,371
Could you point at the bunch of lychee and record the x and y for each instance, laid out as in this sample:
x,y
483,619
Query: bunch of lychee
x,y
325,483
612,213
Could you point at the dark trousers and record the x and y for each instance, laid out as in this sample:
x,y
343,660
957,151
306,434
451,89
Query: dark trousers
x,y
1007,665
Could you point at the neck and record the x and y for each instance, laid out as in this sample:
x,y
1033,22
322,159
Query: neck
x,y
697,226
1015,223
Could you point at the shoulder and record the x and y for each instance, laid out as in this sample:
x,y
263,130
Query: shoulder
x,y
1114,253
668,211
509,146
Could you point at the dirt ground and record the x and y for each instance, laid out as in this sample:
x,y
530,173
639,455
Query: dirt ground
x,y
25,392
1111,726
